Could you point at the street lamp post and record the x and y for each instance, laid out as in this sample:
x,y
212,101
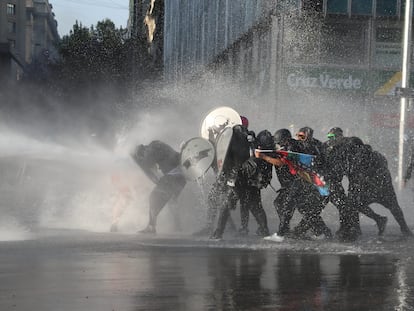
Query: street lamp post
x,y
404,85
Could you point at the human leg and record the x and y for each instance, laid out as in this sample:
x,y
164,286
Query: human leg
x,y
169,186
284,209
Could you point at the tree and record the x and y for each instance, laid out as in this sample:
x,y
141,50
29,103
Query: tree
x,y
100,56
87,55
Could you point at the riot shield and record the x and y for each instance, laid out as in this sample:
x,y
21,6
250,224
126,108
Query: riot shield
x,y
222,146
217,120
197,155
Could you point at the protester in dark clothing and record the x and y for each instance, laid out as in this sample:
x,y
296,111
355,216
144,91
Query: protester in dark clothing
x,y
296,193
333,171
338,147
287,197
235,185
311,202
226,196
255,175
219,188
244,209
310,144
370,182
169,186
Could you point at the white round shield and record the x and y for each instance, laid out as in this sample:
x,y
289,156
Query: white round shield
x,y
217,120
197,155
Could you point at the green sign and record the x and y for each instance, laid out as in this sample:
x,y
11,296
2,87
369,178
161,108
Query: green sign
x,y
331,80
326,79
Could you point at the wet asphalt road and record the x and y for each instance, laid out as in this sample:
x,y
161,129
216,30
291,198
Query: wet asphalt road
x,y
78,270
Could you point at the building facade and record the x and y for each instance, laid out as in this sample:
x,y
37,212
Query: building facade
x,y
28,34
320,63
146,22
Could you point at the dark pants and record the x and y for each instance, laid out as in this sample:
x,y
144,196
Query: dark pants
x,y
214,201
310,205
377,189
285,207
225,200
168,187
349,227
306,198
251,200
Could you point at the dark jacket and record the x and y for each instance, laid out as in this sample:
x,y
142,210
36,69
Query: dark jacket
x,y
283,174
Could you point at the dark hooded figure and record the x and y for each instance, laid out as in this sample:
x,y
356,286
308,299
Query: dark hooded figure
x,y
255,175
311,202
333,171
287,197
233,185
334,149
169,186
295,193
219,187
311,145
369,181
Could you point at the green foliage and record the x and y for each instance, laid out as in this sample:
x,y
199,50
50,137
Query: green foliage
x,y
101,56
89,89
88,55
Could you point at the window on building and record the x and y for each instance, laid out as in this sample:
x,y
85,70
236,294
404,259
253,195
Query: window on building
x,y
361,7
11,27
11,9
388,47
12,43
337,6
312,5
387,7
344,44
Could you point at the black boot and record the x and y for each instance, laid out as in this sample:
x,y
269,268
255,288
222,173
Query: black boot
x,y
221,224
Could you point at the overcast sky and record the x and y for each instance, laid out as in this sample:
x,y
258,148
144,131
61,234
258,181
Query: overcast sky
x,y
89,12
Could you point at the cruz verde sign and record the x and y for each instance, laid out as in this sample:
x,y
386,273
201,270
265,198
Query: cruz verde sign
x,y
361,82
326,80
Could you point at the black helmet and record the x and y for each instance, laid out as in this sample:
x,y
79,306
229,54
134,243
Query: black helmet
x,y
356,141
281,135
265,140
307,131
335,133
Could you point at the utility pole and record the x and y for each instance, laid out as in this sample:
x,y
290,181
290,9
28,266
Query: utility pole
x,y
405,81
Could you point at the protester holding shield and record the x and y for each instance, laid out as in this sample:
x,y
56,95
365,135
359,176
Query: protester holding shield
x,y
236,150
217,128
255,175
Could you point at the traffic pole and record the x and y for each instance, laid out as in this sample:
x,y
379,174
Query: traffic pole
x,y
404,85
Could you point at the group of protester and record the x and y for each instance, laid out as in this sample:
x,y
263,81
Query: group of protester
x,y
246,173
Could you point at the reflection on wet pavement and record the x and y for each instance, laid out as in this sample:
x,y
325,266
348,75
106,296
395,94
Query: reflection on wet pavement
x,y
99,272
